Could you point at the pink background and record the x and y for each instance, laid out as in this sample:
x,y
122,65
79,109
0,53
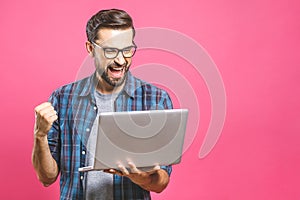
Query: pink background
x,y
255,46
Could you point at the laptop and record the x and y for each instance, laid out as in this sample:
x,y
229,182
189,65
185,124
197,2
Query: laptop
x,y
146,138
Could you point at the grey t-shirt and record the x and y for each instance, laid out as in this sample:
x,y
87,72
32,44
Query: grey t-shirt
x,y
98,185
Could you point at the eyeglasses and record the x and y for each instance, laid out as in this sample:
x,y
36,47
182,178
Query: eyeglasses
x,y
112,53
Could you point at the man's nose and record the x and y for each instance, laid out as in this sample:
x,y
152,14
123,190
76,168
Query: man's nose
x,y
120,59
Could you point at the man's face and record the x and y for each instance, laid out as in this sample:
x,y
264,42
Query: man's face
x,y
112,71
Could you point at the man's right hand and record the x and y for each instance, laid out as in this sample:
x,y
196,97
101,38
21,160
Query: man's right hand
x,y
45,115
43,162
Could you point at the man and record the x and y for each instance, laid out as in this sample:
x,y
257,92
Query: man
x,y
65,127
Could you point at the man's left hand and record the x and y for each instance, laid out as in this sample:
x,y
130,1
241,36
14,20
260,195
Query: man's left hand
x,y
139,177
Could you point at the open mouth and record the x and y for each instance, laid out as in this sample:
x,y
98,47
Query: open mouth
x,y
116,72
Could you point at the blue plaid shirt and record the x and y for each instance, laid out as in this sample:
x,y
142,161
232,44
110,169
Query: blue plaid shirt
x,y
77,110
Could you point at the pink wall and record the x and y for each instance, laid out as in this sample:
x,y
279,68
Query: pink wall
x,y
255,46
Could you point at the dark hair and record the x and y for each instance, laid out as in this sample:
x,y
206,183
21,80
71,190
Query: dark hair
x,y
113,18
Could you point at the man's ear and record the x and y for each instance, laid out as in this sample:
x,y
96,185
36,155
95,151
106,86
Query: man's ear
x,y
89,47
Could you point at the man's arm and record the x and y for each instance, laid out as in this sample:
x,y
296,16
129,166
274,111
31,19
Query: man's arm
x,y
42,160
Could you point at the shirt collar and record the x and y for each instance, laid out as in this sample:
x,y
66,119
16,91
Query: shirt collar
x,y
88,85
131,85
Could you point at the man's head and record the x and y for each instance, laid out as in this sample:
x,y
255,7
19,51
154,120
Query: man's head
x,y
110,19
110,36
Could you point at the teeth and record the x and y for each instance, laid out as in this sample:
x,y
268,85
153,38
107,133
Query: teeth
x,y
117,69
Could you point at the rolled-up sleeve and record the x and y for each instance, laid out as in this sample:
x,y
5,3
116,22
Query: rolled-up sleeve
x,y
54,133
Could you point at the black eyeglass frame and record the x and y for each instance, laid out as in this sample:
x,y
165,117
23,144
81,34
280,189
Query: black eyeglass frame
x,y
117,50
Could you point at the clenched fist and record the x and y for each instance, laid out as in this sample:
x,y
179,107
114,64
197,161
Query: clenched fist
x,y
45,115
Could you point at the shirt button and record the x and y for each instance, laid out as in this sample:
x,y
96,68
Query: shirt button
x,y
81,177
83,152
95,108
87,130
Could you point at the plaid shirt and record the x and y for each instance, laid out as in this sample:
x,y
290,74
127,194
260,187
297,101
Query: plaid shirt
x,y
77,110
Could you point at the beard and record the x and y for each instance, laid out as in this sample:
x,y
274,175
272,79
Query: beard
x,y
114,82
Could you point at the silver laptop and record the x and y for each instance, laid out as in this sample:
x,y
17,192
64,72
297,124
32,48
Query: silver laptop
x,y
146,138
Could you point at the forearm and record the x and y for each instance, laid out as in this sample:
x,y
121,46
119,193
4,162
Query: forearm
x,y
157,182
43,162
